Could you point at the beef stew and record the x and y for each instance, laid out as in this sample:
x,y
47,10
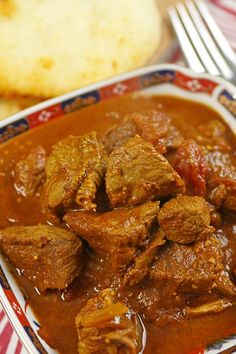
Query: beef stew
x,y
118,222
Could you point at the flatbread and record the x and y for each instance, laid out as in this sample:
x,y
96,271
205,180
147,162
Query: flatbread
x,y
9,106
50,47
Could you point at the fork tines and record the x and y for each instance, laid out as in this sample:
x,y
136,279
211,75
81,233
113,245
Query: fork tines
x,y
203,44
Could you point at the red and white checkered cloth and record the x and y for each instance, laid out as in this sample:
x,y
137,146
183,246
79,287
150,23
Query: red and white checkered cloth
x,y
9,342
224,12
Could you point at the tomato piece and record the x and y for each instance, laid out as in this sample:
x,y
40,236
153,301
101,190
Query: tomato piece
x,y
192,166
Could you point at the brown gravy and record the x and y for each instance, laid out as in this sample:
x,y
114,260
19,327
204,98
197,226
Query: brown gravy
x,y
56,311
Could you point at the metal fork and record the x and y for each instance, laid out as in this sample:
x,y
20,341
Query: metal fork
x,y
204,46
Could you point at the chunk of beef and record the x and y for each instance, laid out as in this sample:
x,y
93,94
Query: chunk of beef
x,y
191,164
222,177
153,126
49,256
193,268
117,234
230,201
136,173
105,325
118,135
216,220
217,195
74,171
156,127
29,173
142,262
223,195
222,183
185,219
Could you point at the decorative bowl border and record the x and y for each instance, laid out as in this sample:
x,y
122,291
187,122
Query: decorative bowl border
x,y
158,79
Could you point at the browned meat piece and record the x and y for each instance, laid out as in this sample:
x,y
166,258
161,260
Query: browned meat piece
x,y
74,171
142,262
222,183
105,325
217,195
29,173
211,307
117,234
191,164
216,220
118,135
185,219
193,268
136,173
213,136
221,180
155,127
230,202
49,256
223,196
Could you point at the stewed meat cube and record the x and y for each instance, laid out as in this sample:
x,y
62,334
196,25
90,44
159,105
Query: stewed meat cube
x,y
193,268
157,128
214,138
117,234
222,183
144,259
153,126
230,201
74,172
222,193
118,135
49,256
29,173
136,173
105,325
217,195
185,219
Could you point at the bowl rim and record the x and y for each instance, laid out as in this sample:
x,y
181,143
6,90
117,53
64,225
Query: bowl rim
x,y
112,80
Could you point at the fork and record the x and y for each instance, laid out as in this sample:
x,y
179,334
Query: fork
x,y
203,44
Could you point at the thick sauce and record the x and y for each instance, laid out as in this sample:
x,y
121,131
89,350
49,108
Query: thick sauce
x,y
56,311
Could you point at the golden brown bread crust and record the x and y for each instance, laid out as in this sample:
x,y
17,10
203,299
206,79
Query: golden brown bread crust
x,y
11,105
45,58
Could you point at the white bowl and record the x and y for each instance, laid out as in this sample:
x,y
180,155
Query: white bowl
x,y
157,79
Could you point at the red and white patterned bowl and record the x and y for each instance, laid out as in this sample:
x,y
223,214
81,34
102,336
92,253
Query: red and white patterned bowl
x,y
158,79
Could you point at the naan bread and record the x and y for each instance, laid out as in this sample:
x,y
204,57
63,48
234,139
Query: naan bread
x,y
50,47
9,106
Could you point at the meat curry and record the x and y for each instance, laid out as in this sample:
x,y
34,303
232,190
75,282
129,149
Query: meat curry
x,y
118,222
